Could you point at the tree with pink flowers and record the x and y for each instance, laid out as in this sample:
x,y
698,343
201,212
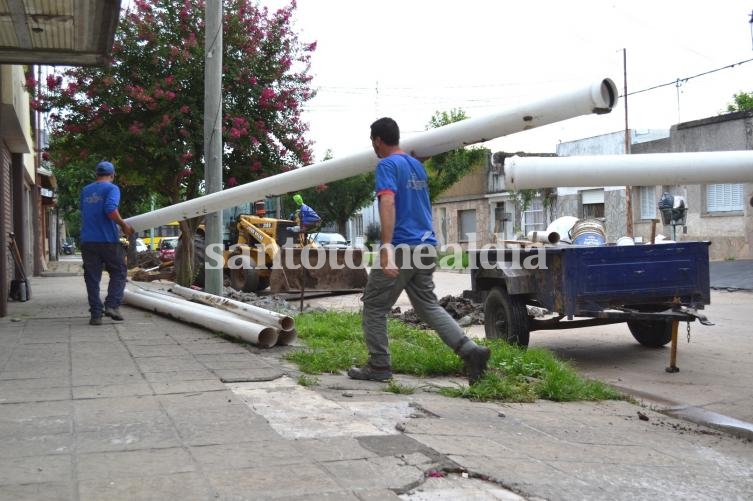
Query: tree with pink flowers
x,y
145,110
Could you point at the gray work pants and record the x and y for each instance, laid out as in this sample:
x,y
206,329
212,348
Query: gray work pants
x,y
382,292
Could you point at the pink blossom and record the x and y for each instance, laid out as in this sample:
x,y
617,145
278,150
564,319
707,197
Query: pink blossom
x,y
169,80
235,133
231,181
184,132
170,95
256,166
185,172
30,82
267,95
53,82
185,109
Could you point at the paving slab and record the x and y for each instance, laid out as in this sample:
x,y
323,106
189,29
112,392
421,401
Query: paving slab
x,y
150,408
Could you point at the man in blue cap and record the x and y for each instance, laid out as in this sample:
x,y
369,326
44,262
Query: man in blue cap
x,y
100,243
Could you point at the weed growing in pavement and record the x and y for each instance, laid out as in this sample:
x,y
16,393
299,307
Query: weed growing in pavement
x,y
306,380
334,342
400,389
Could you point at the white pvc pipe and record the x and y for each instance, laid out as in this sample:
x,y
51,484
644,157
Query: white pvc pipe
x,y
550,237
205,316
598,97
287,337
255,313
649,169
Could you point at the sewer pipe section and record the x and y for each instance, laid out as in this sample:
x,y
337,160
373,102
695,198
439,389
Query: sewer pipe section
x,y
208,317
598,97
649,169
254,313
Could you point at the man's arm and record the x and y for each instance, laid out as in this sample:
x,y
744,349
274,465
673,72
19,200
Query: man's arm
x,y
387,222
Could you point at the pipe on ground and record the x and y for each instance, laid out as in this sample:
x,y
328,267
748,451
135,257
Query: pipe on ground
x,y
254,313
205,316
598,97
285,338
650,169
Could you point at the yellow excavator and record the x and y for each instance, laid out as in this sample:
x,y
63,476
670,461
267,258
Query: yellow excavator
x,y
269,252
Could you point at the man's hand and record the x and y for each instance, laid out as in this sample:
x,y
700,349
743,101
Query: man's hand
x,y
387,261
127,229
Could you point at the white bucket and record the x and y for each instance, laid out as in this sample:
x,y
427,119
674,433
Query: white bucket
x,y
625,241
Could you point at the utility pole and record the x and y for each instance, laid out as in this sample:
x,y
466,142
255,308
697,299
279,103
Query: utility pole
x,y
213,275
628,200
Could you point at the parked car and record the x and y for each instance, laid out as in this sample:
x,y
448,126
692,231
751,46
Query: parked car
x,y
69,247
330,240
167,248
141,246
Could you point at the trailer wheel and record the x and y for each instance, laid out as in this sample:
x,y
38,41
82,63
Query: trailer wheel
x,y
506,317
653,333
246,277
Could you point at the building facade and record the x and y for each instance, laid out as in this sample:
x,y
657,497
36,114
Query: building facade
x,y
717,212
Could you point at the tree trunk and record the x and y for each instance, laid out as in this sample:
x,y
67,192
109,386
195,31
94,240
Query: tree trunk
x,y
184,255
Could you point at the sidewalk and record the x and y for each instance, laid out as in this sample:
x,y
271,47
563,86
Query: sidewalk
x,y
150,408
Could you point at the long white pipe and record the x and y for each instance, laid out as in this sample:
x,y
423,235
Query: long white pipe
x,y
205,316
598,97
254,313
649,169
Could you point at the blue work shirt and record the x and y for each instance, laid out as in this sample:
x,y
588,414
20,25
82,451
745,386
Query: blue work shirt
x,y
309,215
99,199
406,178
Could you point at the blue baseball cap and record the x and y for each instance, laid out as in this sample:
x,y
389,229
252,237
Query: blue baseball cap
x,y
105,169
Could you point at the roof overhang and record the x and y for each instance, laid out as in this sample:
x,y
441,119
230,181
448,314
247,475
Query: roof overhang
x,y
57,32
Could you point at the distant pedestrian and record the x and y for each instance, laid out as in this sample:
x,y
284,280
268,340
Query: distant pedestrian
x,y
100,243
306,215
406,227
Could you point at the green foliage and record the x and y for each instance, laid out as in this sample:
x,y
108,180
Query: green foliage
x,y
145,110
447,168
339,200
334,342
743,101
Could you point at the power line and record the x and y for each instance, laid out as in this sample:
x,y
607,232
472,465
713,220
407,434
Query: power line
x,y
681,81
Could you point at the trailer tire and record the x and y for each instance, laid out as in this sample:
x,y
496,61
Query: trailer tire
x,y
506,317
246,277
652,333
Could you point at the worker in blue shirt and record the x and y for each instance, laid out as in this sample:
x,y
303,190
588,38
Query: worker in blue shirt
x,y
101,224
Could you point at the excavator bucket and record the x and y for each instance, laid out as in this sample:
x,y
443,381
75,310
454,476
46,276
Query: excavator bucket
x,y
318,269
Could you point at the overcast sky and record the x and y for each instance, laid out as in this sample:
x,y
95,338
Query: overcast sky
x,y
410,58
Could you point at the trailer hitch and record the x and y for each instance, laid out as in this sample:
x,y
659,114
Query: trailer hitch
x,y
692,312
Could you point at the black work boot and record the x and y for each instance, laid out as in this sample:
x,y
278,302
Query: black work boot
x,y
475,363
113,313
370,373
474,358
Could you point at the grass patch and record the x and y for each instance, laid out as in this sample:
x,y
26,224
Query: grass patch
x,y
334,342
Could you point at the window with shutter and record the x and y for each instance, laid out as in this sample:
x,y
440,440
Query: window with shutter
x,y
724,197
